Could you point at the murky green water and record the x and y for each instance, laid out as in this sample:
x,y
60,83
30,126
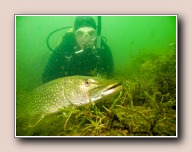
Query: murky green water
x,y
144,53
127,37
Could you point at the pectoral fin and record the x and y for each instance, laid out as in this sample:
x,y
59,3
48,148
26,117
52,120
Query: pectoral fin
x,y
35,120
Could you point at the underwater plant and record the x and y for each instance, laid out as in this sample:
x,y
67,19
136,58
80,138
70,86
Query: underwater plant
x,y
145,107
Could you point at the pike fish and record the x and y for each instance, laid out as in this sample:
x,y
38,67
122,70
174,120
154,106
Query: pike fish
x,y
63,92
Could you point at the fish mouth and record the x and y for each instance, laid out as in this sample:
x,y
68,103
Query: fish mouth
x,y
112,89
108,91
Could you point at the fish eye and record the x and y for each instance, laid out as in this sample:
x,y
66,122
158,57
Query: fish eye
x,y
87,83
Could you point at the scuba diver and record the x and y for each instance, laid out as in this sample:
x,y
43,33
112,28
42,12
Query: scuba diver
x,y
81,51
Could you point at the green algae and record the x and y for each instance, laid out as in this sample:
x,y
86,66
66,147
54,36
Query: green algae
x,y
146,106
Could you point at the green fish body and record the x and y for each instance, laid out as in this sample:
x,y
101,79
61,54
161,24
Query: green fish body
x,y
63,92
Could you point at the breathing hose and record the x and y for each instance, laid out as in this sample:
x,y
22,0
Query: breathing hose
x,y
63,28
99,33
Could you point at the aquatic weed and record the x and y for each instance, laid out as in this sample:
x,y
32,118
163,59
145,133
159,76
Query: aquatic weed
x,y
145,107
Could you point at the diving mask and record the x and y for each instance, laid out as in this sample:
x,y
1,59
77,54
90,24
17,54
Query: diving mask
x,y
85,36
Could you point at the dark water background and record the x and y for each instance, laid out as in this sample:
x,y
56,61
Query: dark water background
x,y
127,36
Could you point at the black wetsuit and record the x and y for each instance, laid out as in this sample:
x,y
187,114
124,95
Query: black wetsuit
x,y
65,62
